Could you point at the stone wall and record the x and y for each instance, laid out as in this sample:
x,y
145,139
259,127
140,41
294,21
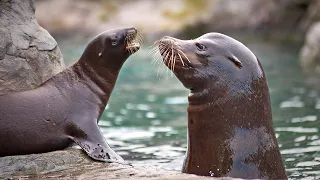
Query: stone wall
x,y
28,53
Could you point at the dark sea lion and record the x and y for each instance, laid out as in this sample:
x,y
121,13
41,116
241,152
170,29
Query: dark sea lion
x,y
230,130
67,107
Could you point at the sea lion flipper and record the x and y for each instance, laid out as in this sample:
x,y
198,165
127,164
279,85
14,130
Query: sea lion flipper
x,y
94,144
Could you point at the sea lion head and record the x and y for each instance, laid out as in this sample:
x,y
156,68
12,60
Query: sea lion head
x,y
111,48
212,60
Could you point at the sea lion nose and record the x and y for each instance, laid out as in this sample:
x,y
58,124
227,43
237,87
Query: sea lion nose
x,y
131,30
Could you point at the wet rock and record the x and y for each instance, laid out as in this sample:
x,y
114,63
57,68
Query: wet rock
x,y
74,164
310,52
28,53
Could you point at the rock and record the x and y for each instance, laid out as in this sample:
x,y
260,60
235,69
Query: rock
x,y
28,53
278,19
74,164
310,52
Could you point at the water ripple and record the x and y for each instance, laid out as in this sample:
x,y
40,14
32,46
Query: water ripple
x,y
176,100
301,150
294,102
297,129
303,119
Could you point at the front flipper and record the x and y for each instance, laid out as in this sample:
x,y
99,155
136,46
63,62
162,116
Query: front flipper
x,y
89,137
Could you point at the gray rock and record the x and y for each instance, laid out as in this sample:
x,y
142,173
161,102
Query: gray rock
x,y
28,53
310,52
74,164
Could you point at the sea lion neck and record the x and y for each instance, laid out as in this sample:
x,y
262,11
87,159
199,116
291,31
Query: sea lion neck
x,y
101,81
207,95
214,125
81,81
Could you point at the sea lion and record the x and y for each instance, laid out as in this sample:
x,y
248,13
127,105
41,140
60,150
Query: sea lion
x,y
230,131
66,108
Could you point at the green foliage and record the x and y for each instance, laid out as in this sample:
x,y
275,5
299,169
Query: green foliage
x,y
109,8
191,7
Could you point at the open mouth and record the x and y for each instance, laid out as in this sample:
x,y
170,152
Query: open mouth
x,y
133,41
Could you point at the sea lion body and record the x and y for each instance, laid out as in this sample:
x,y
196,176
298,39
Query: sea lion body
x,y
230,131
66,108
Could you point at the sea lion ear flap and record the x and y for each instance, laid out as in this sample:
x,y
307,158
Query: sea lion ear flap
x,y
236,61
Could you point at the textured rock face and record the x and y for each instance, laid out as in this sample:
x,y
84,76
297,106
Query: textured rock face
x,y
310,52
74,164
262,15
28,53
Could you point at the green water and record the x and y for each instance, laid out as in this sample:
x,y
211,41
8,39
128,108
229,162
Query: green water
x,y
145,120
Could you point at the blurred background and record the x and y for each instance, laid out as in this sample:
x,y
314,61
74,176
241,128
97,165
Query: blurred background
x,y
146,119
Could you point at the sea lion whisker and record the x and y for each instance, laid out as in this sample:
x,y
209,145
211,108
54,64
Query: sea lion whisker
x,y
166,53
153,56
153,50
160,69
156,58
172,60
184,55
168,57
163,51
159,59
155,44
154,62
140,39
161,48
180,58
128,42
139,35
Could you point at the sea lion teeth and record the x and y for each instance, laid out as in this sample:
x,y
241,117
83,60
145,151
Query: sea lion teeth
x,y
133,45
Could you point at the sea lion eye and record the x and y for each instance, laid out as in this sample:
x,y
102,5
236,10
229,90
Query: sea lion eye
x,y
201,47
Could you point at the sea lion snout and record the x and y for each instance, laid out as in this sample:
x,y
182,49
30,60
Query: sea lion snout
x,y
173,53
133,40
128,38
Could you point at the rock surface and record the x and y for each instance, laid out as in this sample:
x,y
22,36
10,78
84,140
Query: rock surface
x,y
310,52
28,53
91,17
74,164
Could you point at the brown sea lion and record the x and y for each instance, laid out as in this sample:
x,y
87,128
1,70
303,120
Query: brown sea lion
x,y
67,107
230,131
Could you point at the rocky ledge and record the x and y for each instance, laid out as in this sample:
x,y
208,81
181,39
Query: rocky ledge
x,y
72,163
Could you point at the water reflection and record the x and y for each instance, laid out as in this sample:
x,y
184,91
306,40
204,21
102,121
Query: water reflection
x,y
145,120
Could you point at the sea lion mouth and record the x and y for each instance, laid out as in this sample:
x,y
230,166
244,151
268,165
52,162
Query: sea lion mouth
x,y
133,41
172,56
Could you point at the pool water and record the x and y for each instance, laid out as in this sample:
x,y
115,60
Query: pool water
x,y
146,120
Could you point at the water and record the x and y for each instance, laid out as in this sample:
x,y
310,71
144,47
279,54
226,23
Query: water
x,y
145,121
